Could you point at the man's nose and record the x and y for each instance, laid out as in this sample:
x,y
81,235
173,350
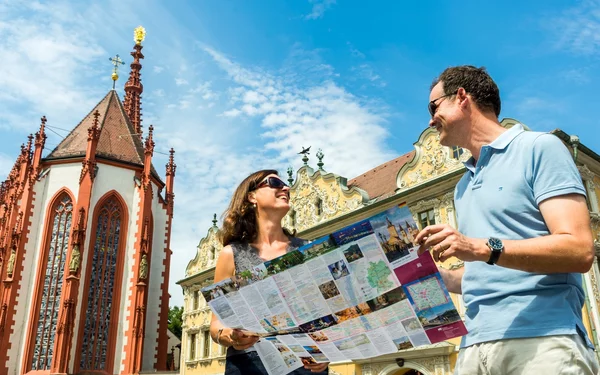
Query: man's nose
x,y
431,123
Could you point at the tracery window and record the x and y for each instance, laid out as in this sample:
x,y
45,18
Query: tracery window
x,y
98,315
55,255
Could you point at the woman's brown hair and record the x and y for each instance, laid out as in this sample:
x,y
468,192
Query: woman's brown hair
x,y
239,223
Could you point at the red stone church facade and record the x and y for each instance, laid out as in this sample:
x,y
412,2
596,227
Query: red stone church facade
x,y
85,247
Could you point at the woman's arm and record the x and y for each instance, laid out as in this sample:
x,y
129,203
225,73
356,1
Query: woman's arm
x,y
220,334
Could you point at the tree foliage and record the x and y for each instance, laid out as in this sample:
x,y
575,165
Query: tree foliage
x,y
175,320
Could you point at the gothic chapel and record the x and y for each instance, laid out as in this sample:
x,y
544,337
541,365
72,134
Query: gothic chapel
x,y
85,246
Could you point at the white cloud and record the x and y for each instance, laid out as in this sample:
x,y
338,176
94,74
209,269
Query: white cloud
x,y
354,51
323,115
319,8
579,76
45,59
158,93
157,69
181,81
578,29
232,113
366,72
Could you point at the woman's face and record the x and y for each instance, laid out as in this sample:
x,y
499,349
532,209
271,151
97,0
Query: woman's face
x,y
267,197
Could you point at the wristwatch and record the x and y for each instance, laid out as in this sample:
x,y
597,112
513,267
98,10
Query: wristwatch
x,y
496,247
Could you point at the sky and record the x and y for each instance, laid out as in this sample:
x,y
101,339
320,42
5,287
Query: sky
x,y
236,86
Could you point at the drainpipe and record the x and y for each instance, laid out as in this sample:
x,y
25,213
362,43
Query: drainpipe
x,y
575,145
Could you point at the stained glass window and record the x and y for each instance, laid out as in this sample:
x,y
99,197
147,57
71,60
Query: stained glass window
x,y
55,255
98,317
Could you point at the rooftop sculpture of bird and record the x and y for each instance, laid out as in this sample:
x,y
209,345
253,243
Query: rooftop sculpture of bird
x,y
305,151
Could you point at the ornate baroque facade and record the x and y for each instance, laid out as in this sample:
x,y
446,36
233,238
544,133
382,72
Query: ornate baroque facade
x,y
322,202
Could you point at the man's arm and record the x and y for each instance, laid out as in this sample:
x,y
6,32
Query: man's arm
x,y
453,279
568,248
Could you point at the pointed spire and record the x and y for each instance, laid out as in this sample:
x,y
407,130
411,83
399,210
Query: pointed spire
x,y
149,145
134,87
94,130
40,136
214,220
171,166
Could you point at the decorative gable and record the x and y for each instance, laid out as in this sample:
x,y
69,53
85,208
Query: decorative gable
x,y
320,196
431,159
208,251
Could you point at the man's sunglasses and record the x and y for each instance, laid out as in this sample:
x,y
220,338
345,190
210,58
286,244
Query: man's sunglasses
x,y
433,104
272,182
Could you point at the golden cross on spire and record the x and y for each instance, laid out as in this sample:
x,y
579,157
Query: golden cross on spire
x,y
115,74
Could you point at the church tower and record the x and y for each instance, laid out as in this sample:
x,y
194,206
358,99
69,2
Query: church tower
x,y
85,246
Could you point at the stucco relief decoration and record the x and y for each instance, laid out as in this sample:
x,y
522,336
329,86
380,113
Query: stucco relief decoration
x,y
325,189
208,251
431,160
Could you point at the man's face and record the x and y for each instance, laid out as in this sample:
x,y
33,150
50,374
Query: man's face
x,y
445,115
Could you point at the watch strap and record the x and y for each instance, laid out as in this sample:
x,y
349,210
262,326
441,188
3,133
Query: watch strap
x,y
494,255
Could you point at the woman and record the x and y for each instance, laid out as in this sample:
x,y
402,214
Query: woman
x,y
252,234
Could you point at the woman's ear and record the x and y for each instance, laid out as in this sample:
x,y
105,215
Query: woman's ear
x,y
251,198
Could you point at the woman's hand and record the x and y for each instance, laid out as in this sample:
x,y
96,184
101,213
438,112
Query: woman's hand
x,y
316,367
241,339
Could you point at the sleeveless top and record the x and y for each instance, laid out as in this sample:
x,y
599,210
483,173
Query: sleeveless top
x,y
245,257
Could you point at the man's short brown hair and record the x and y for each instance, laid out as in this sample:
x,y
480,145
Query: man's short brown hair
x,y
476,82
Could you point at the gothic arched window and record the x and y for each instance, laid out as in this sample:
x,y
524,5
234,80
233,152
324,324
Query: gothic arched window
x,y
96,348
55,256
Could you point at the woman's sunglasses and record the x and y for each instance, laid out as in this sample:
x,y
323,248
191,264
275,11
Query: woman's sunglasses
x,y
272,182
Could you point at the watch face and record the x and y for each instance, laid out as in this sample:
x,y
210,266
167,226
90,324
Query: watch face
x,y
495,244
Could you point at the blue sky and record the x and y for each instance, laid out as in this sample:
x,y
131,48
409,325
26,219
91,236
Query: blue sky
x,y
235,86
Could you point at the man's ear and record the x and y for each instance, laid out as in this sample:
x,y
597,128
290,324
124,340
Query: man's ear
x,y
463,97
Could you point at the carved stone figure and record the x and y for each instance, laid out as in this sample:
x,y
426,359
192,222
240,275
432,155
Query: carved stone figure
x,y
75,259
10,267
144,268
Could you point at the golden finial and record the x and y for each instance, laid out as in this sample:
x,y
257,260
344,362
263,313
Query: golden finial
x,y
115,74
139,34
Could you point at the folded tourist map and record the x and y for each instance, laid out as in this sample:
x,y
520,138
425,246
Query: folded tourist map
x,y
357,293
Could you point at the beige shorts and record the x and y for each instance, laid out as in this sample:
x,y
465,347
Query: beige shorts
x,y
551,355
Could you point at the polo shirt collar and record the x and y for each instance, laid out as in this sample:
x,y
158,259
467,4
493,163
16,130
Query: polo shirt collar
x,y
499,143
505,138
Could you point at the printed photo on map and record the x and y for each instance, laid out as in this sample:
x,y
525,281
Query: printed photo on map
x,y
318,247
352,312
387,299
396,230
318,336
353,232
353,253
403,343
284,262
329,290
220,289
338,270
438,316
318,324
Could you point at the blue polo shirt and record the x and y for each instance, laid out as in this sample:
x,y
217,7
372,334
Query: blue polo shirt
x,y
499,197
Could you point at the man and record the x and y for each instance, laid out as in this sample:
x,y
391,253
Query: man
x,y
523,233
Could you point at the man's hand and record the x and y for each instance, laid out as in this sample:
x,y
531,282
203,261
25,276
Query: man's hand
x,y
445,242
242,339
316,367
